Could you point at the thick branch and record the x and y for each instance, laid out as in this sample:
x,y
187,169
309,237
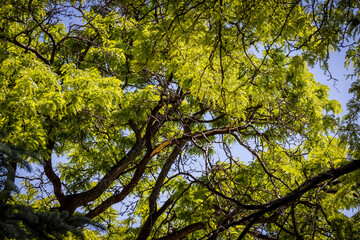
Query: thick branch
x,y
51,175
119,169
114,173
150,221
128,188
154,213
183,232
292,196
161,178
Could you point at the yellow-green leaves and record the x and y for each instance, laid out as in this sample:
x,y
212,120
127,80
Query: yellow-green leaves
x,y
89,91
174,117
29,89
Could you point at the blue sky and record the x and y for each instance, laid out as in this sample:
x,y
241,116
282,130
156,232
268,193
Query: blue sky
x,y
338,89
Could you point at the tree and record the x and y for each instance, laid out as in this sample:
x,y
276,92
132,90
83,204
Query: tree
x,y
153,104
19,221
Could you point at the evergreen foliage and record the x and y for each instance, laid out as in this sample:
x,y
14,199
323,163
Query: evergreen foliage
x,y
23,222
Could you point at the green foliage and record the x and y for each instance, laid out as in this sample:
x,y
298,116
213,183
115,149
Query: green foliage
x,y
22,222
177,118
19,221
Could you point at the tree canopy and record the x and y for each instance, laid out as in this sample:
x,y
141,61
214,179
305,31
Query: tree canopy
x,y
179,119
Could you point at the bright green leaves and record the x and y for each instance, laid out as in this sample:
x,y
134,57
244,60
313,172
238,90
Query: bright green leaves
x,y
193,81
89,91
139,103
216,66
30,82
32,94
29,89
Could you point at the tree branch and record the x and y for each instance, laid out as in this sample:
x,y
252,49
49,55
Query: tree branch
x,y
51,175
33,50
183,232
292,196
160,179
